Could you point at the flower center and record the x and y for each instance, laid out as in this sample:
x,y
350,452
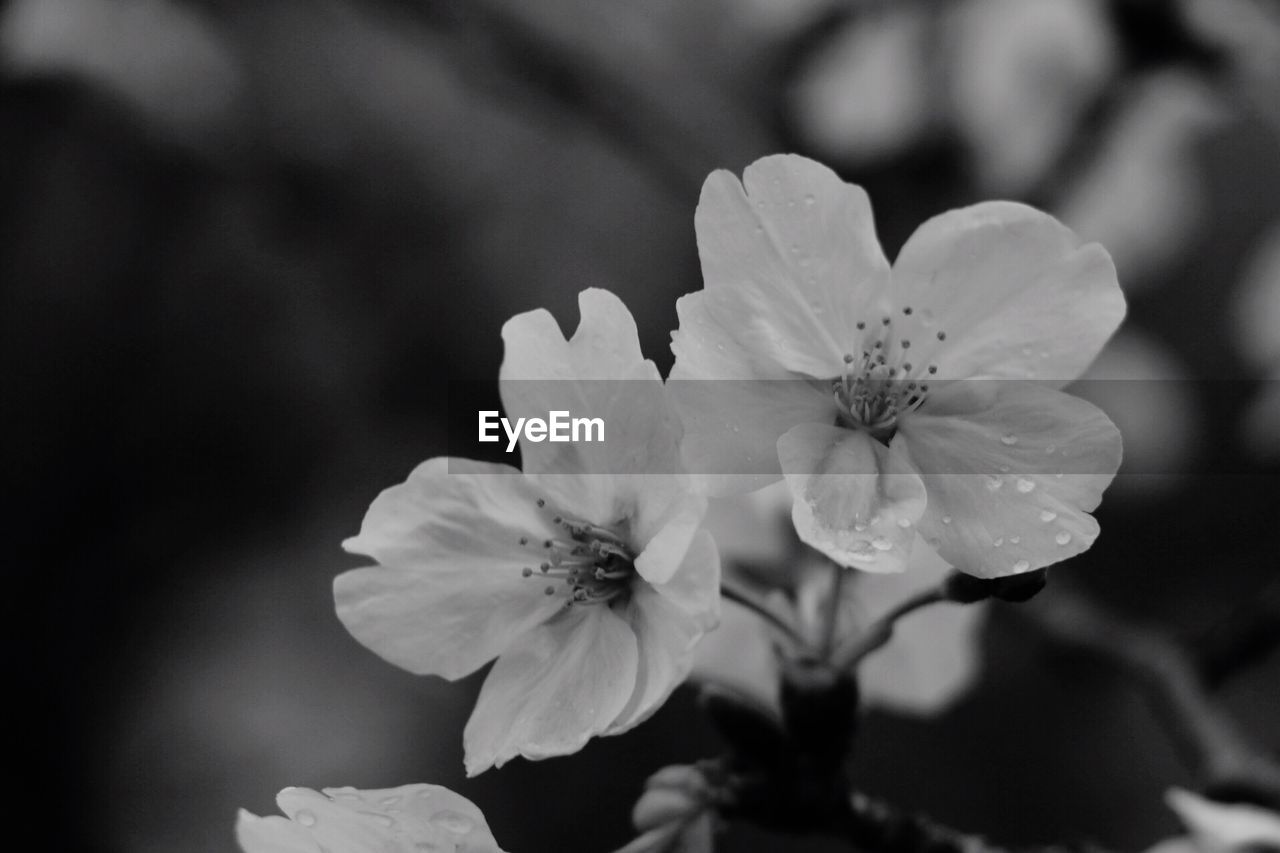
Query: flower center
x,y
587,563
883,383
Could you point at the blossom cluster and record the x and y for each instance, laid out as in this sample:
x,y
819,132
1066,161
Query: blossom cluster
x,y
911,415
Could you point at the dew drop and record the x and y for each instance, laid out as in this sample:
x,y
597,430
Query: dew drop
x,y
946,519
1014,540
904,523
306,818
998,541
453,822
1008,439
881,544
1062,538
859,527
994,484
1047,515
736,428
1051,448
1025,486
1021,566
810,200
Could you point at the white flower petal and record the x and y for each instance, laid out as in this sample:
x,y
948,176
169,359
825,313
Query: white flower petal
x,y
450,595
1223,828
731,424
564,682
855,500
790,259
1011,289
1012,470
669,619
418,817
272,834
598,373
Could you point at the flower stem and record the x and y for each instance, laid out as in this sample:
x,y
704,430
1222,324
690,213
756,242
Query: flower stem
x,y
753,602
881,631
832,620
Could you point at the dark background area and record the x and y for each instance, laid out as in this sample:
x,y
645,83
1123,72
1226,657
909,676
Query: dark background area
x,y
245,246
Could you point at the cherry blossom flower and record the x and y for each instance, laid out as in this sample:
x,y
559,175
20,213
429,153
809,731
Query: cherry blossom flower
x,y
832,369
1219,827
586,575
407,819
930,662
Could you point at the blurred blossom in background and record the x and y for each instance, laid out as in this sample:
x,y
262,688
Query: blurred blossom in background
x,y
247,245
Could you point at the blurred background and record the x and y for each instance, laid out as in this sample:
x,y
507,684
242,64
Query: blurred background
x,y
245,245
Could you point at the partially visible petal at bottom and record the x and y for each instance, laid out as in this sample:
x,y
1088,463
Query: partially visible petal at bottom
x,y
855,500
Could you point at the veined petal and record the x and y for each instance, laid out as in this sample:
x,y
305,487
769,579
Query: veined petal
x,y
855,500
565,682
790,258
450,507
598,373
448,619
450,595
732,423
1012,470
426,817
1012,291
669,619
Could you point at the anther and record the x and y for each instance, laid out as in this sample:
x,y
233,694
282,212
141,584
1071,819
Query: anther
x,y
906,368
541,503
906,344
551,590
886,321
907,310
557,520
524,540
942,336
861,325
527,572
547,544
933,368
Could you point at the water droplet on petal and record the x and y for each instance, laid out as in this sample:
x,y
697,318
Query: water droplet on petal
x,y
998,541
809,200
994,484
1051,448
306,818
1014,540
453,822
1062,538
1021,566
1008,439
1047,515
1025,486
904,523
946,519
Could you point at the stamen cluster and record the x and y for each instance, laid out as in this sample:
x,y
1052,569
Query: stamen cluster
x,y
593,563
881,385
